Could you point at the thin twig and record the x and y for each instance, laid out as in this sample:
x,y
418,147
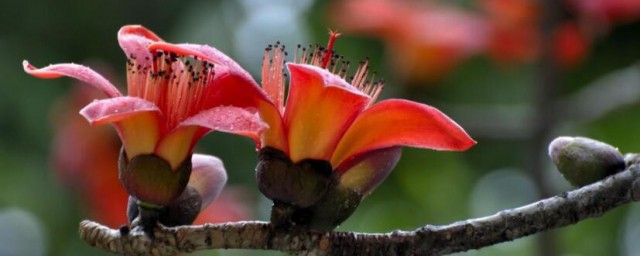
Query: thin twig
x,y
558,211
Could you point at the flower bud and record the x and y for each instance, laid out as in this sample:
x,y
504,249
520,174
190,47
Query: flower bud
x,y
359,177
335,207
150,178
300,184
583,161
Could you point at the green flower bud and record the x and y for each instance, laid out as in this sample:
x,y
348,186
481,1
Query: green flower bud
x,y
151,179
335,207
583,161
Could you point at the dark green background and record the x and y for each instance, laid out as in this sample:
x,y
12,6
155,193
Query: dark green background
x,y
427,187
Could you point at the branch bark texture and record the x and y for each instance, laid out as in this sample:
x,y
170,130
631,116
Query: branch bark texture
x,y
558,211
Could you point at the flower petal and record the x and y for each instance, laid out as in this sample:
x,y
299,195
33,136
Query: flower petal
x,y
177,145
112,110
207,53
400,123
76,71
134,39
275,136
320,108
233,86
365,172
137,122
228,119
208,177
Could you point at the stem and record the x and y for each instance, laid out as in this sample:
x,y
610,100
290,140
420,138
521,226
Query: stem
x,y
562,210
148,216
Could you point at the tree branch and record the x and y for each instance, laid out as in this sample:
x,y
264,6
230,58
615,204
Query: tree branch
x,y
558,211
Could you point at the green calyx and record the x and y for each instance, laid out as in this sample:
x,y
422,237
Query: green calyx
x,y
334,208
151,179
583,161
301,184
306,193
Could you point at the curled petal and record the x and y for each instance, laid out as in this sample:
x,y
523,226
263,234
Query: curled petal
x,y
320,108
401,123
208,177
365,172
228,119
76,71
137,121
116,109
134,39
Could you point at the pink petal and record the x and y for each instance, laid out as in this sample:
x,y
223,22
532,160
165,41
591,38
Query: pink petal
x,y
234,203
136,120
76,71
228,119
208,177
207,53
231,86
134,40
320,108
365,172
400,123
116,109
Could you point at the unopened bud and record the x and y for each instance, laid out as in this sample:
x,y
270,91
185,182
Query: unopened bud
x,y
334,208
583,161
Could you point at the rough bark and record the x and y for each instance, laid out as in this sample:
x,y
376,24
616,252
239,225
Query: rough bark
x,y
554,212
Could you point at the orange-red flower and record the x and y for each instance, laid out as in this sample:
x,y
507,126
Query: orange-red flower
x,y
176,94
173,99
332,140
328,116
85,159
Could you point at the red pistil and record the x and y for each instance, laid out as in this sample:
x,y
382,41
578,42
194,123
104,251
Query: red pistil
x,y
333,35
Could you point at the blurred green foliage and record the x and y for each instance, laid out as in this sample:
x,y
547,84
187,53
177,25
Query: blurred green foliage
x,y
427,187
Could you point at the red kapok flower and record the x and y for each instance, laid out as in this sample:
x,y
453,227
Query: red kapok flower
x,y
330,126
85,159
176,94
327,118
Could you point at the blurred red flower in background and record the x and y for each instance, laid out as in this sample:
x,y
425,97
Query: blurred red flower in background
x,y
515,34
85,159
426,40
605,13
